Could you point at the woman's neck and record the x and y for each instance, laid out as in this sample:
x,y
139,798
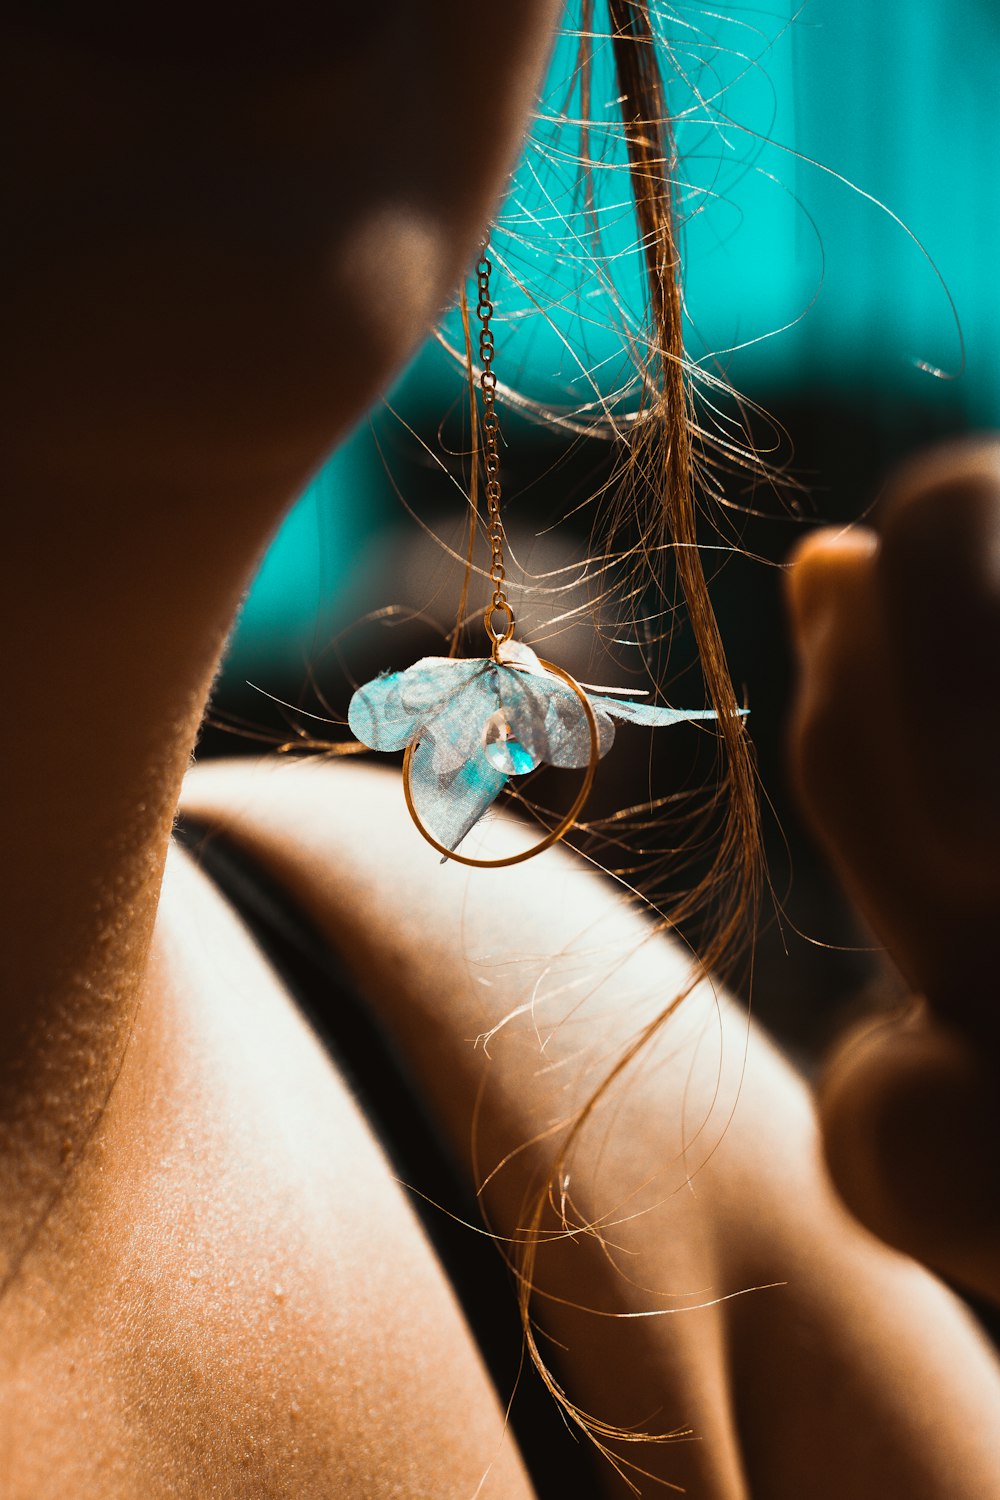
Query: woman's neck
x,y
117,618
213,270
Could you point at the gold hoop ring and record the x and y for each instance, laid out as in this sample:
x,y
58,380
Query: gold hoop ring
x,y
554,834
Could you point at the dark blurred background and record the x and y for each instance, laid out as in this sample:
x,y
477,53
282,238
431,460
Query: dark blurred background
x,y
837,185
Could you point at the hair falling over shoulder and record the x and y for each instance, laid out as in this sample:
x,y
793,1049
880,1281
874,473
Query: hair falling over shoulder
x,y
651,506
658,481
663,483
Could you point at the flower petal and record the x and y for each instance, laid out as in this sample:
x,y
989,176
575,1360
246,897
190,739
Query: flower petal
x,y
377,716
517,654
524,700
456,724
450,803
549,719
388,712
648,713
432,682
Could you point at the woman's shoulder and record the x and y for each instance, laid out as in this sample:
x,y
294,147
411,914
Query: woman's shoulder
x,y
503,991
697,1263
236,1292
529,982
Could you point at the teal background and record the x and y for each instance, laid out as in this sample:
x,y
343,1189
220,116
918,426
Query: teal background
x,y
837,183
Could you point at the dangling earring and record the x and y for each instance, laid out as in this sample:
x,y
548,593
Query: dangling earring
x,y
467,726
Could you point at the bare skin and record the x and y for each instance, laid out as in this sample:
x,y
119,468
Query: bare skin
x,y
211,1283
821,1384
169,389
197,310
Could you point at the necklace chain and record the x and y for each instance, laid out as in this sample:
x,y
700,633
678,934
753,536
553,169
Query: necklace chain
x,y
491,444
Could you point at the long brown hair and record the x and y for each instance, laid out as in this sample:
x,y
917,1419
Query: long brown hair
x,y
654,497
658,484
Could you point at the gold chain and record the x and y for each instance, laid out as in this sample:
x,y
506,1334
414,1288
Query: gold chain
x,y
499,603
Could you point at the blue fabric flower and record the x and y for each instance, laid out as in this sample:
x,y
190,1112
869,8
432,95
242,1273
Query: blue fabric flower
x,y
474,723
